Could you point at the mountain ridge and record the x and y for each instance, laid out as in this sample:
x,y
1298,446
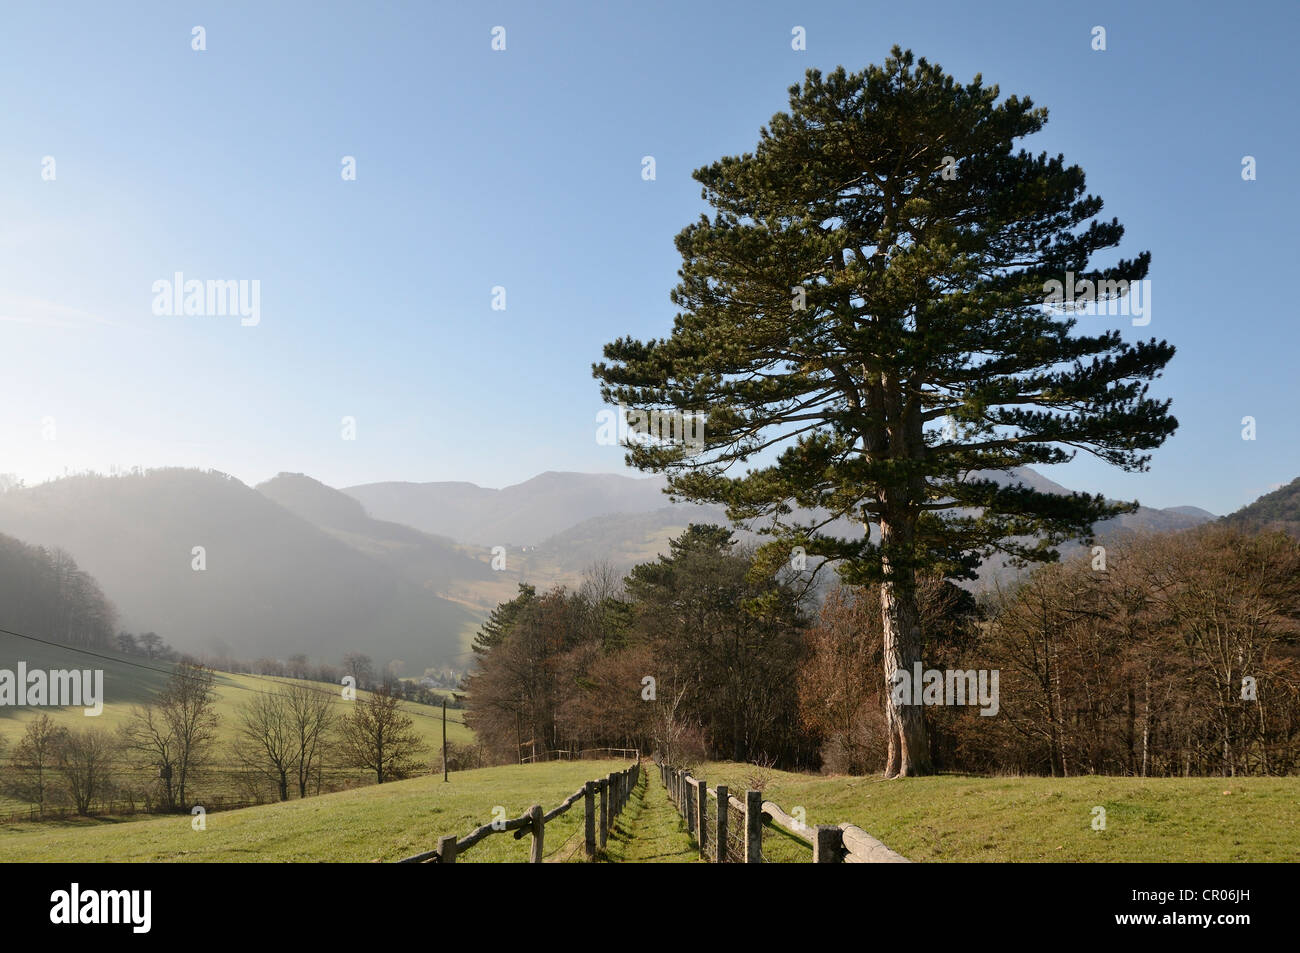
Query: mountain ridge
x,y
294,565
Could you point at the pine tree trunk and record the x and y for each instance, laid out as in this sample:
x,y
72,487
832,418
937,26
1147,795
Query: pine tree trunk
x,y
909,749
903,439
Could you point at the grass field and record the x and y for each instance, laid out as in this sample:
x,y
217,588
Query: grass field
x,y
650,831
377,823
946,818
962,818
129,682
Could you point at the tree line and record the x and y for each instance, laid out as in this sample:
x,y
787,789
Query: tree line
x,y
1173,654
44,591
280,744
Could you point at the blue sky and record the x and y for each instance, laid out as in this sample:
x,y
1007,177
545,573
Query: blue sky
x,y
522,169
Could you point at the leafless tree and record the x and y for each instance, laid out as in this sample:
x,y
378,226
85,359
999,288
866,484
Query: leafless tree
x,y
378,736
176,730
311,716
35,758
264,740
85,761
360,667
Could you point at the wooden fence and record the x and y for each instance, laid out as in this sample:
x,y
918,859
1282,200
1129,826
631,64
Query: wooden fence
x,y
612,792
736,832
586,754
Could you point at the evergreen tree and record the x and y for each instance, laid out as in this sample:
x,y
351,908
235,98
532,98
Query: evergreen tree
x,y
500,621
878,266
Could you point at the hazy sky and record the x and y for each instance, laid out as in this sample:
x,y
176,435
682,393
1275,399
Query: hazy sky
x,y
478,168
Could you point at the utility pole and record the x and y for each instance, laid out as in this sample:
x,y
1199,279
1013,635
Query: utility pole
x,y
444,739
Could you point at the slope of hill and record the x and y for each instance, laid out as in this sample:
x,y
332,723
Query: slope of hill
x,y
296,566
131,681
519,515
44,590
623,539
1279,509
378,823
556,510
433,562
273,584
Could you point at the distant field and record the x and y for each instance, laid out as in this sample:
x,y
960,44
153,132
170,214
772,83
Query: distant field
x,y
963,818
377,823
127,685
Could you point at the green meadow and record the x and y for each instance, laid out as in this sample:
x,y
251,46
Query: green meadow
x,y
130,682
377,823
1008,819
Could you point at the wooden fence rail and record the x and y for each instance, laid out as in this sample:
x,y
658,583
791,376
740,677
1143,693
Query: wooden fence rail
x,y
586,754
612,791
831,843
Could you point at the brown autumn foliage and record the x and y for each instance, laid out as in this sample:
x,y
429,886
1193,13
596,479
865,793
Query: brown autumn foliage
x,y
841,683
1181,657
1172,654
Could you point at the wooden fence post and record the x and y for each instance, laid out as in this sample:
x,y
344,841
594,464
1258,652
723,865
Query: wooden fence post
x,y
689,809
720,840
702,817
447,849
539,828
827,844
589,804
604,809
753,827
613,799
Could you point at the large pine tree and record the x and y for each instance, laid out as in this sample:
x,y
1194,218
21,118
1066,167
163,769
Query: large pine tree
x,y
868,300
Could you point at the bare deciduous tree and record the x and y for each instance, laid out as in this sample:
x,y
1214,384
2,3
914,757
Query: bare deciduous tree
x,y
311,715
265,741
34,759
176,730
85,761
378,736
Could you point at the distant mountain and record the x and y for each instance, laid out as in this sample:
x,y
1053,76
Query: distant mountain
x,y
519,515
640,530
1145,519
1279,509
1193,511
396,570
620,539
432,562
274,583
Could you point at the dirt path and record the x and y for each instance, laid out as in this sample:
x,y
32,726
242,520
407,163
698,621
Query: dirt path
x,y
650,831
